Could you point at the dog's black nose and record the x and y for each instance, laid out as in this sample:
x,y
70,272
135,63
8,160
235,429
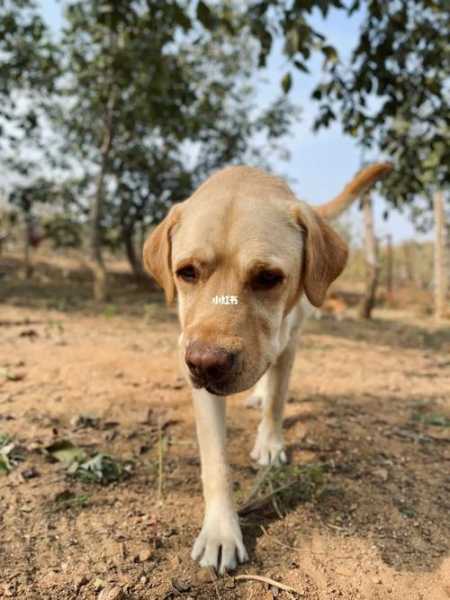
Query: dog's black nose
x,y
208,364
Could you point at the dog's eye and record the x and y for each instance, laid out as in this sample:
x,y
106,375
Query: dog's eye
x,y
188,273
266,280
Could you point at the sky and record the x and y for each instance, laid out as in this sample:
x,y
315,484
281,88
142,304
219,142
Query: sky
x,y
320,164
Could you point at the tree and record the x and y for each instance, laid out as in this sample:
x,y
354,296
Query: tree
x,y
23,198
440,263
28,70
372,264
392,94
29,67
141,99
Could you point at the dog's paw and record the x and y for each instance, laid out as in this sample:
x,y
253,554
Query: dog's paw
x,y
269,448
254,401
219,543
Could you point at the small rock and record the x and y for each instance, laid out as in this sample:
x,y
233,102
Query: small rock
x,y
80,582
377,579
381,473
99,584
111,593
84,421
144,555
30,473
180,586
205,575
8,591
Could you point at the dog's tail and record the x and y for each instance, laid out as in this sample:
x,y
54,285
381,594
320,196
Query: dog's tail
x,y
357,186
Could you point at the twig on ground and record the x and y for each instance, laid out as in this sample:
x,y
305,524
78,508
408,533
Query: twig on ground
x,y
259,482
160,461
272,582
219,597
274,501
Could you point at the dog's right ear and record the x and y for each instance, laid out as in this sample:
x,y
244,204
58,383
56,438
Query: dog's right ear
x,y
157,253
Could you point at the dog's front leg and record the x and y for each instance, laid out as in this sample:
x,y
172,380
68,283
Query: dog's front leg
x,y
273,389
220,540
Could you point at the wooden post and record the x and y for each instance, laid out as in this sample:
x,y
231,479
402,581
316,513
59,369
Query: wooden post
x,y
440,266
389,269
409,263
27,248
372,266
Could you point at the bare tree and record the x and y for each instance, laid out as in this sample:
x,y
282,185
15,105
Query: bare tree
x,y
372,265
440,266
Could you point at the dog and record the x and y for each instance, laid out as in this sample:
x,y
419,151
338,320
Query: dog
x,y
248,262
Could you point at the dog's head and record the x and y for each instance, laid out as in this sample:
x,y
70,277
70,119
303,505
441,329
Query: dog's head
x,y
239,253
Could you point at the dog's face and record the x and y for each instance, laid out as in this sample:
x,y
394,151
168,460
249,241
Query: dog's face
x,y
239,253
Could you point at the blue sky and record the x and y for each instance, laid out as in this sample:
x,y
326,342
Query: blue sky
x,y
320,164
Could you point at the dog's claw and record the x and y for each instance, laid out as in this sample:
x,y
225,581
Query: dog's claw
x,y
219,544
268,449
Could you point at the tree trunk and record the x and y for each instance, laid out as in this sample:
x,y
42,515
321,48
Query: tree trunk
x,y
440,266
389,269
130,249
371,260
28,262
97,264
409,261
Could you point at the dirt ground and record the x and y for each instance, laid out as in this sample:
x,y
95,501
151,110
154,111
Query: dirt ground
x,y
364,510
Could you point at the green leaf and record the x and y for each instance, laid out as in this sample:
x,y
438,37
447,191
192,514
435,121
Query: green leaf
x,y
292,41
66,452
301,66
10,454
433,419
330,53
100,469
182,19
5,466
205,16
67,499
286,83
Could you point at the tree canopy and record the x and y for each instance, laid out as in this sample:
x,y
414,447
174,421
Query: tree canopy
x,y
142,99
392,94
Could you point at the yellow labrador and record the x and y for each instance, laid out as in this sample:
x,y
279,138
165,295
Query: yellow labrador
x,y
248,262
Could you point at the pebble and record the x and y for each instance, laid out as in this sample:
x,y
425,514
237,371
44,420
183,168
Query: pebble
x,y
205,575
381,473
80,581
144,555
111,593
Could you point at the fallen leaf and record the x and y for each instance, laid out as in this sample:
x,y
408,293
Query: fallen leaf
x,y
66,452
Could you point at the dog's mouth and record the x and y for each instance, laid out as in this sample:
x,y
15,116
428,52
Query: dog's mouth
x,y
234,384
215,391
215,388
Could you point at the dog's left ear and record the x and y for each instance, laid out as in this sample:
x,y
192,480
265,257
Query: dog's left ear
x,y
157,253
325,254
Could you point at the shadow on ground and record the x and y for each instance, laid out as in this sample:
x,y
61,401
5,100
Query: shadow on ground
x,y
372,476
386,332
67,290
